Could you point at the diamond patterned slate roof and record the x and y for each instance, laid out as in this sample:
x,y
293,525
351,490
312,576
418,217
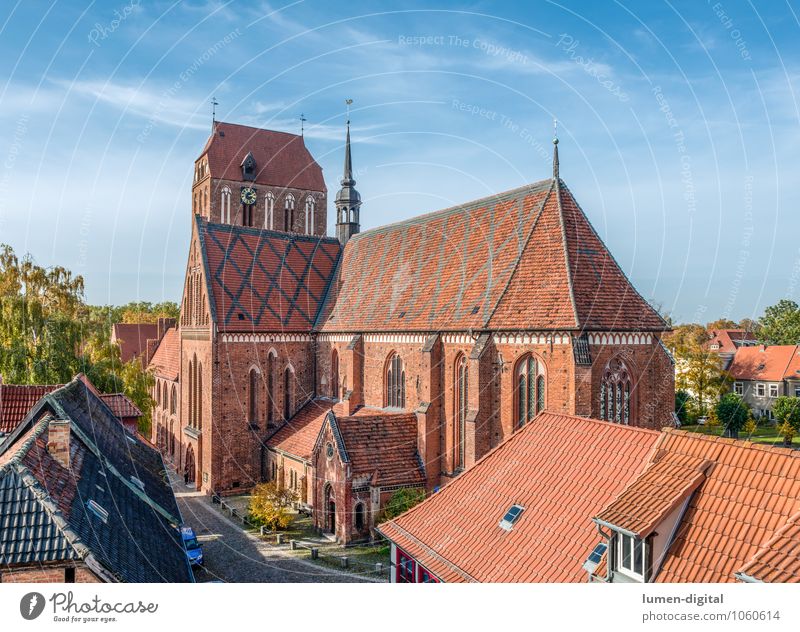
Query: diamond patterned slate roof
x,y
139,542
264,280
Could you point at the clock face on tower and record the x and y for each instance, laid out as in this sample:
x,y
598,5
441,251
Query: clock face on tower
x,y
248,195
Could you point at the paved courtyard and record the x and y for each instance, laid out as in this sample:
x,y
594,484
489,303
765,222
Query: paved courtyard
x,y
233,555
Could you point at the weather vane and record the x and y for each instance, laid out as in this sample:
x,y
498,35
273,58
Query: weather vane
x,y
214,104
349,102
555,130
303,119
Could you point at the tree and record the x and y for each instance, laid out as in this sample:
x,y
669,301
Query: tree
x,y
400,502
733,413
270,504
787,412
682,403
749,325
780,324
699,371
721,323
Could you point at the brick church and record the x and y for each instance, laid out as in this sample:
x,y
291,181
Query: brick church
x,y
348,367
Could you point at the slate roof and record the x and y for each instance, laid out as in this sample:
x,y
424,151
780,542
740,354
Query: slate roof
x,y
264,280
561,469
523,259
281,159
139,542
121,405
132,338
166,361
764,363
16,400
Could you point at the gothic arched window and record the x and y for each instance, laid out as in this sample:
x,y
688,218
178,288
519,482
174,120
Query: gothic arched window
x,y
460,407
287,393
270,387
335,374
616,389
269,210
252,397
310,204
529,389
173,400
395,382
225,206
288,213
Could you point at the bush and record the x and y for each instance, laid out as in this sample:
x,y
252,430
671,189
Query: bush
x,y
787,412
750,426
733,413
682,405
269,506
400,502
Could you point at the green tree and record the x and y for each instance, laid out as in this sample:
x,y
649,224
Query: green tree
x,y
733,413
269,505
787,412
698,370
780,324
400,502
721,323
683,401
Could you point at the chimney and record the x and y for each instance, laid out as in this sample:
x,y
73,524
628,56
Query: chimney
x,y
58,441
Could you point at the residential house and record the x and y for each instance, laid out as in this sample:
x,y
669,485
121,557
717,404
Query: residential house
x,y
725,342
763,373
83,500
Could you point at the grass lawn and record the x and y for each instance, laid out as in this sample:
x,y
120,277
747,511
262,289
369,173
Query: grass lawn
x,y
765,433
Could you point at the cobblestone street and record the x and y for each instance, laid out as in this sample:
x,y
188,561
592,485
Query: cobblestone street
x,y
233,555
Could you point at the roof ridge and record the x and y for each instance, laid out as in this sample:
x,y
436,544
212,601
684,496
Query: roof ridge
x,y
464,206
534,224
737,443
565,247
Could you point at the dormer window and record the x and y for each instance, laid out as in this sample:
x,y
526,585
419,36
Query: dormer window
x,y
249,167
631,556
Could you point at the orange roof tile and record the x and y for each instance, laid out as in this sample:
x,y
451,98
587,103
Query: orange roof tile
x,y
17,399
132,338
166,361
298,435
561,469
768,363
121,405
779,559
726,339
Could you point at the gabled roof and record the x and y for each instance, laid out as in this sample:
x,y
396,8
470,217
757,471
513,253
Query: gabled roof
x,y
749,492
17,399
767,363
298,435
138,541
561,469
166,361
524,259
281,159
728,340
266,281
132,338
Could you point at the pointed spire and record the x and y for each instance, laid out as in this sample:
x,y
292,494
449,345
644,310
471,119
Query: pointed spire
x,y
214,104
348,200
555,150
347,176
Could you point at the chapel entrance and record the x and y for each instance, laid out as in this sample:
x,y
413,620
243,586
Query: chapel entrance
x,y
330,510
189,468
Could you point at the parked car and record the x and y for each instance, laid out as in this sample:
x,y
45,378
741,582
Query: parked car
x,y
194,550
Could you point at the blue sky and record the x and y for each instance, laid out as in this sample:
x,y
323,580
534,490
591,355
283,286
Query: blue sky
x,y
678,124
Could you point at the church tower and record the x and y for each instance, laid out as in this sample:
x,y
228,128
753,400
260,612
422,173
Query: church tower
x,y
348,200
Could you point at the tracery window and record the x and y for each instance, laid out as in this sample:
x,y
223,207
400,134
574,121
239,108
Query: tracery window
x,y
615,392
460,408
529,389
395,382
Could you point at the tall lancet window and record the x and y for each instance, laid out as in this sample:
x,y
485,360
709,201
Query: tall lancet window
x,y
616,393
395,382
252,397
288,213
269,210
529,389
460,405
310,215
225,206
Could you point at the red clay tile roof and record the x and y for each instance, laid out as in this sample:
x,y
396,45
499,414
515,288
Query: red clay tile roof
x,y
648,500
17,399
726,339
382,445
120,405
779,559
749,493
262,280
132,338
298,435
281,159
527,258
769,363
166,361
561,469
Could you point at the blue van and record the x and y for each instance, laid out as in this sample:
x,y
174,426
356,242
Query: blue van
x,y
194,550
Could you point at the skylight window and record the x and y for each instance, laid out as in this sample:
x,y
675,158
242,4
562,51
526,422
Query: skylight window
x,y
512,515
594,557
97,510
